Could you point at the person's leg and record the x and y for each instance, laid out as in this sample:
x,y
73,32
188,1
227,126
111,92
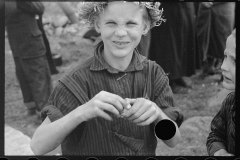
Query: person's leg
x,y
39,79
51,64
186,51
204,33
222,26
203,25
28,99
177,86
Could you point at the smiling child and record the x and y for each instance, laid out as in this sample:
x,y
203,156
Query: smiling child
x,y
89,111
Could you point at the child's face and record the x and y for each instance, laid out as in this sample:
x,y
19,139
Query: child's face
x,y
121,26
229,67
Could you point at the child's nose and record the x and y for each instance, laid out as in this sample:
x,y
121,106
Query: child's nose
x,y
224,65
120,31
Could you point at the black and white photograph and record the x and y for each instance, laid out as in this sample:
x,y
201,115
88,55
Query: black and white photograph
x,y
119,78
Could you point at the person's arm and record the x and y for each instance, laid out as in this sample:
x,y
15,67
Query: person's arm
x,y
177,136
69,11
167,109
50,135
217,137
144,112
36,8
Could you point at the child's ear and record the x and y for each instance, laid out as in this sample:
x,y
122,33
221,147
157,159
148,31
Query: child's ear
x,y
97,24
146,28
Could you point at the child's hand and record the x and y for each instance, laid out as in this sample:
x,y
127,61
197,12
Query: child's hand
x,y
142,111
222,152
126,108
101,102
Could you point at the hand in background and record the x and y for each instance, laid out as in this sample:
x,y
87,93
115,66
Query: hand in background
x,y
222,152
207,4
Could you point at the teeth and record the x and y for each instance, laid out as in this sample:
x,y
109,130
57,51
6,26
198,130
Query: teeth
x,y
121,43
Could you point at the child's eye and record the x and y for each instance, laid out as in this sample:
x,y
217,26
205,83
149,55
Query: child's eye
x,y
111,23
234,61
131,23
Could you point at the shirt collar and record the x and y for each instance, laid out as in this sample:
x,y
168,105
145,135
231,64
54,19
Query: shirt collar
x,y
99,62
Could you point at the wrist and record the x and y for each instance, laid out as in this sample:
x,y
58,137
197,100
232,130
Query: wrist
x,y
161,115
77,115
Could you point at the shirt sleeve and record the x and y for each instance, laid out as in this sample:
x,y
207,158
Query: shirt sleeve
x,y
218,134
164,97
61,102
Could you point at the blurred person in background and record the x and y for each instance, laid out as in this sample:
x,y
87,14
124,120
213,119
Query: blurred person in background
x,y
69,11
215,22
173,44
71,14
29,53
51,64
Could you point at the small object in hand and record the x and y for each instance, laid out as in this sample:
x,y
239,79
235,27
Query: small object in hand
x,y
124,110
129,106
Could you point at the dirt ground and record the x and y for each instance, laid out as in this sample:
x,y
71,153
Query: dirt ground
x,y
194,105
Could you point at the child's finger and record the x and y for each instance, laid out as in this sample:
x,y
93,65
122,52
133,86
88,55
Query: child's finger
x,y
104,115
122,101
144,116
134,108
130,101
109,107
115,100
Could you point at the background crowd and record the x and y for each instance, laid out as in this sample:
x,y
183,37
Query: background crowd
x,y
192,38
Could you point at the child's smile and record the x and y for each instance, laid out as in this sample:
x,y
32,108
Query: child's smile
x,y
120,44
121,26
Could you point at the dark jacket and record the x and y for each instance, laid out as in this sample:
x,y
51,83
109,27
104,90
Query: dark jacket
x,y
24,36
222,135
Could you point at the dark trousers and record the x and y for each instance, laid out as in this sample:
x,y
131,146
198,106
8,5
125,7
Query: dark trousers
x,y
34,78
51,64
213,27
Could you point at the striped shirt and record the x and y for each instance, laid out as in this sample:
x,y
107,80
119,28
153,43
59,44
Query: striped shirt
x,y
222,135
118,137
